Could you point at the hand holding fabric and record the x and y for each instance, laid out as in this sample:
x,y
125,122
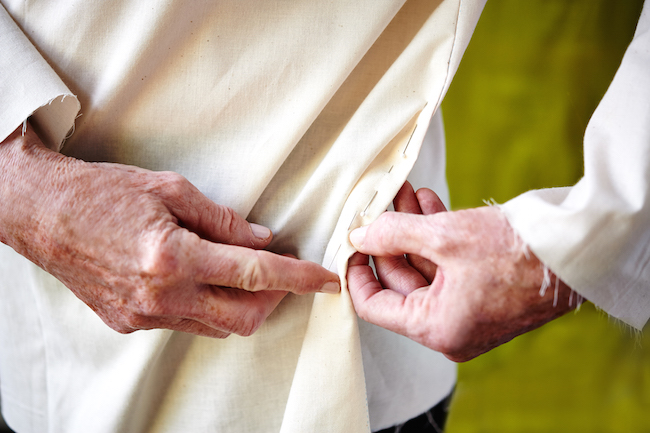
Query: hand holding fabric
x,y
143,249
466,285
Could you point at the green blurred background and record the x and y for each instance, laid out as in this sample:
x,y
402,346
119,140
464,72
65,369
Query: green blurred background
x,y
515,116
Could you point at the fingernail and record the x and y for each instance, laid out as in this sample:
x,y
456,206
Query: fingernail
x,y
358,235
259,231
331,288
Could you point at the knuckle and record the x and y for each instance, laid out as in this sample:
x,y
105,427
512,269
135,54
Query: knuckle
x,y
247,320
132,321
118,326
385,222
228,220
254,276
248,330
122,329
156,298
120,318
160,274
174,183
219,335
252,321
159,258
387,217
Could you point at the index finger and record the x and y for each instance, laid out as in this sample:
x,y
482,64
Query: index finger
x,y
255,270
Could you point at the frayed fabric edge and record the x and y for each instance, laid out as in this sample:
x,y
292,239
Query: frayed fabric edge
x,y
520,244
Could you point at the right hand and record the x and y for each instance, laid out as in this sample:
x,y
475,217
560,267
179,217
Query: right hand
x,y
471,287
143,249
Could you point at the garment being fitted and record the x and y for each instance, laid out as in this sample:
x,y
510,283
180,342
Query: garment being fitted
x,y
305,116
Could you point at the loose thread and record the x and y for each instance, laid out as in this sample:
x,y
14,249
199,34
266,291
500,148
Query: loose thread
x,y
409,142
546,281
579,301
363,212
351,222
334,257
433,422
490,202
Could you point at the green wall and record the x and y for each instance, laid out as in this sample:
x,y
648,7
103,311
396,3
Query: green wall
x,y
515,116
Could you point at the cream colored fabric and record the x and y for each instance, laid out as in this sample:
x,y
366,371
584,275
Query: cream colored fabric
x,y
303,116
596,235
22,67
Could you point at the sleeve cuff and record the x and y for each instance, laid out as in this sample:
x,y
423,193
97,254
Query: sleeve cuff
x,y
29,87
600,258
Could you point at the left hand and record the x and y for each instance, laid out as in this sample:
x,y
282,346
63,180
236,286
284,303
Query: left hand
x,y
143,249
466,285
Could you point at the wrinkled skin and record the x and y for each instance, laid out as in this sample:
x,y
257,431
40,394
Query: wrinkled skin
x,y
143,249
466,284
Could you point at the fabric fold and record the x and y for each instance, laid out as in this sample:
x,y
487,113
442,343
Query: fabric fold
x,y
331,352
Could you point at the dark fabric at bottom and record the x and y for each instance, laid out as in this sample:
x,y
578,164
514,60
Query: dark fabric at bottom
x,y
431,421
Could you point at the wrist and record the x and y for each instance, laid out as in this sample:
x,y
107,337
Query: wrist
x,y
28,172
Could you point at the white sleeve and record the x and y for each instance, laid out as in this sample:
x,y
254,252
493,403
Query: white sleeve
x,y
596,234
30,87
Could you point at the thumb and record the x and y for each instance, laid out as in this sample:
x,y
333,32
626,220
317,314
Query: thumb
x,y
394,234
209,220
222,224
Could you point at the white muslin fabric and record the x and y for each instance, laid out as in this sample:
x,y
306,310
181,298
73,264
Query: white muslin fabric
x,y
595,235
305,116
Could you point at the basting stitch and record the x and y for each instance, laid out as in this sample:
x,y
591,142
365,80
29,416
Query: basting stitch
x,y
350,226
363,212
334,257
409,142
